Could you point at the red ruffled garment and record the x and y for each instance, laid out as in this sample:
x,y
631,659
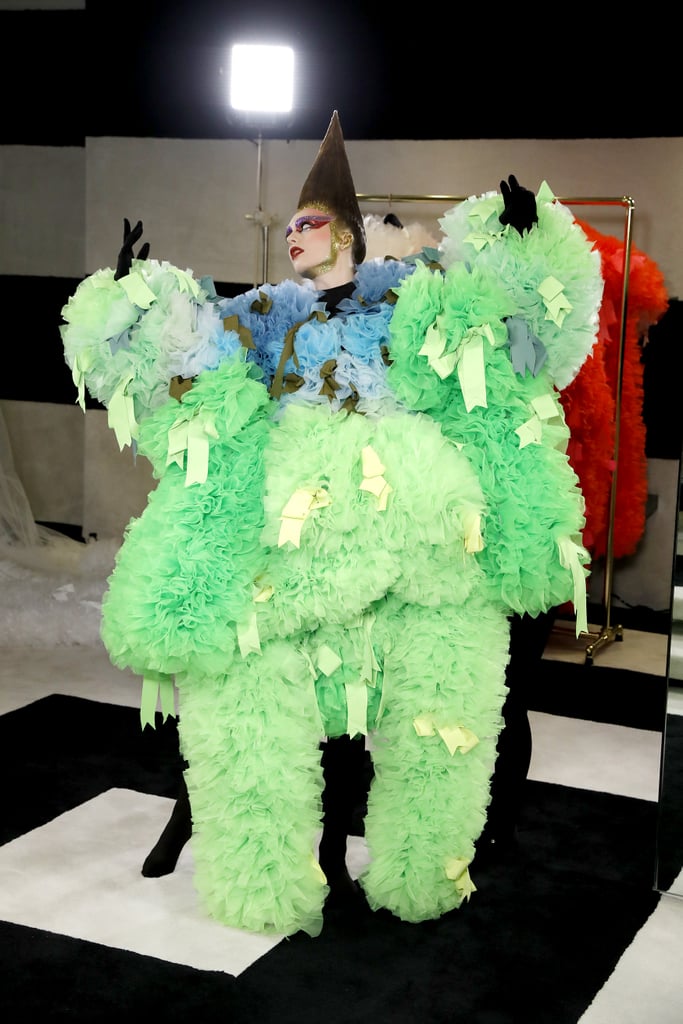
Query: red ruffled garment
x,y
589,401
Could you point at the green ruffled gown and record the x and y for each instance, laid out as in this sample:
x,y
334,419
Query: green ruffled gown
x,y
304,571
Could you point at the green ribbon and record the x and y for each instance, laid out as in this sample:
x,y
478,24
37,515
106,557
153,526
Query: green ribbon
x,y
82,363
137,290
573,556
471,372
313,675
155,686
356,707
288,351
121,414
185,280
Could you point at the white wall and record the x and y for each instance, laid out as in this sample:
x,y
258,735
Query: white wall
x,y
193,196
62,212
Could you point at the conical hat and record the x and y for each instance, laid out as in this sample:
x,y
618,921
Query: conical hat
x,y
329,184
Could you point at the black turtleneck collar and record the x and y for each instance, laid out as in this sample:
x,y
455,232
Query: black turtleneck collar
x,y
333,296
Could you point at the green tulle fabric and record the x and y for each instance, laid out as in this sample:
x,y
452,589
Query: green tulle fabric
x,y
255,783
444,669
557,248
531,493
114,340
371,611
380,603
182,578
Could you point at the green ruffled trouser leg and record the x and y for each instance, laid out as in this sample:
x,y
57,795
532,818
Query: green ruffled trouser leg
x,y
251,740
444,670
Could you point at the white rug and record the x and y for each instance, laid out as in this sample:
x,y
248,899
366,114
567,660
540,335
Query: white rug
x,y
79,875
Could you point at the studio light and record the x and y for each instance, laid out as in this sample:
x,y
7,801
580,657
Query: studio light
x,y
262,78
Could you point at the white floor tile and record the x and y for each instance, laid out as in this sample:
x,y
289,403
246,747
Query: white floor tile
x,y
593,755
647,983
92,888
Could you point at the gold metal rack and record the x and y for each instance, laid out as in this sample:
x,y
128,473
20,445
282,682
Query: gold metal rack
x,y
608,632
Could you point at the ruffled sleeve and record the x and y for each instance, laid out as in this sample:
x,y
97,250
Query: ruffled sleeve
x,y
125,340
551,274
480,349
183,576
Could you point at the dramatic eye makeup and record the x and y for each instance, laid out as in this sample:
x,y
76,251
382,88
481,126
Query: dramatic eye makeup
x,y
308,223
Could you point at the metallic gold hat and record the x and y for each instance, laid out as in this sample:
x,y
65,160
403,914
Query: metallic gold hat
x,y
329,185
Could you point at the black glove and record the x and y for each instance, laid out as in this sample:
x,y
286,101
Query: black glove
x,y
520,206
126,254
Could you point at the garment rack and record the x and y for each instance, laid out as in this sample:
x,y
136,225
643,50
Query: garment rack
x,y
608,632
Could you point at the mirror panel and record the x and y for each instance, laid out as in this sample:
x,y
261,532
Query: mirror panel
x,y
669,867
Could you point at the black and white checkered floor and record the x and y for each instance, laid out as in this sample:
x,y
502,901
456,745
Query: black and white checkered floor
x,y
79,874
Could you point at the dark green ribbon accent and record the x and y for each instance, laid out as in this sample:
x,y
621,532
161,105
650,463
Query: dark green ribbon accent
x,y
180,386
261,305
349,404
289,353
292,382
330,385
231,323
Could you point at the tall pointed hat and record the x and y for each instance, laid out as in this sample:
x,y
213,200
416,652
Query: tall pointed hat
x,y
329,184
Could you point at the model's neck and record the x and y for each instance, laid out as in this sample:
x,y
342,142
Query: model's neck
x,y
342,272
334,277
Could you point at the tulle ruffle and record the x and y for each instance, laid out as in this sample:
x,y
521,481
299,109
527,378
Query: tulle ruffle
x,y
112,342
591,399
435,706
351,550
531,493
255,781
338,573
329,612
183,576
556,249
346,351
444,677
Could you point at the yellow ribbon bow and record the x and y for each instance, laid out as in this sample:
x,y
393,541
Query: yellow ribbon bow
x,y
456,737
544,408
190,433
304,501
574,556
457,870
137,290
556,302
468,356
473,539
373,480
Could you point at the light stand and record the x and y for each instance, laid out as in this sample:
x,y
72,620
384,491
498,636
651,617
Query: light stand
x,y
260,217
261,87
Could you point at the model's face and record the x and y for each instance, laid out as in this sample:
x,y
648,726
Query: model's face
x,y
310,243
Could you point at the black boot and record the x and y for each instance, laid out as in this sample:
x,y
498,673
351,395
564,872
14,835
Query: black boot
x,y
163,858
343,762
528,639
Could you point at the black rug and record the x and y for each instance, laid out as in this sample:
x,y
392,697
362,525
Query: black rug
x,y
534,945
